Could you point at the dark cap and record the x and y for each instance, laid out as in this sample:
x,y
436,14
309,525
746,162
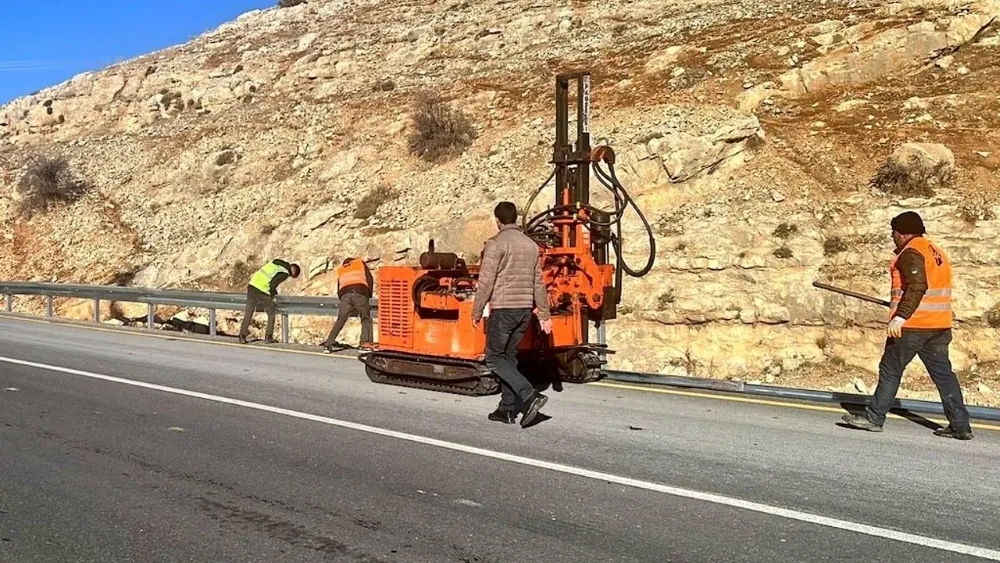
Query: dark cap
x,y
908,223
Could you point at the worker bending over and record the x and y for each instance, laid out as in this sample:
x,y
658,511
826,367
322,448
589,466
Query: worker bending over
x,y
920,325
261,291
510,281
354,289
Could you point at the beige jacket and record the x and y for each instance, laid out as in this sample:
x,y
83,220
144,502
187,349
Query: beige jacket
x,y
511,276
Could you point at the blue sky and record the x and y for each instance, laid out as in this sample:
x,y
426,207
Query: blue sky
x,y
45,43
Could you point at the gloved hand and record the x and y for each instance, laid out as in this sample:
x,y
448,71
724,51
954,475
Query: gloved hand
x,y
895,329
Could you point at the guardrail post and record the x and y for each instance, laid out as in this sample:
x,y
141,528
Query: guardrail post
x,y
211,322
150,309
9,299
48,306
97,310
284,328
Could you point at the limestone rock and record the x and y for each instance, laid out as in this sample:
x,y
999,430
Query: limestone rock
x,y
932,157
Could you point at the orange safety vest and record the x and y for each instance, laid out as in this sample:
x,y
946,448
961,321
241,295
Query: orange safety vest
x,y
352,274
934,311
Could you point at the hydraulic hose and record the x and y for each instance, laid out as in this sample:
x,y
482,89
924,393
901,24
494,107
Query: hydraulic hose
x,y
532,199
651,238
533,227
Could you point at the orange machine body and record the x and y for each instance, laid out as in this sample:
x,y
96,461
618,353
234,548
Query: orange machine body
x,y
426,335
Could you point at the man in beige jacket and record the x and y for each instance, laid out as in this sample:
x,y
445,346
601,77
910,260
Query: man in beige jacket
x,y
510,281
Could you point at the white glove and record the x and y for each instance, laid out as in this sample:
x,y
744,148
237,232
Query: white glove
x,y
895,329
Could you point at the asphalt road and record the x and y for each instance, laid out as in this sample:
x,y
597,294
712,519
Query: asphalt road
x,y
319,464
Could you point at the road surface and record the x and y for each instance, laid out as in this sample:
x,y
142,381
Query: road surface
x,y
119,447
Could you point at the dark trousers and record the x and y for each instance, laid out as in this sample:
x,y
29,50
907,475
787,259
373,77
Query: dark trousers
x,y
352,304
932,348
504,330
258,301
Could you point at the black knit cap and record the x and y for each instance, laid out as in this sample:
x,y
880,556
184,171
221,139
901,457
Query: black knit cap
x,y
908,223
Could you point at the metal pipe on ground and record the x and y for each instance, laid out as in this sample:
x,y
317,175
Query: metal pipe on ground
x,y
909,405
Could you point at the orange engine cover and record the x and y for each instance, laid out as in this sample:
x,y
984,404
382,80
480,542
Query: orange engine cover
x,y
442,324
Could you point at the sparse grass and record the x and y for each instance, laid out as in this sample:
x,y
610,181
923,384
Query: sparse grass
x,y
374,199
912,180
783,252
385,85
123,277
975,208
823,343
664,301
240,272
267,228
380,230
784,231
992,317
681,247
49,181
624,310
225,157
440,131
834,245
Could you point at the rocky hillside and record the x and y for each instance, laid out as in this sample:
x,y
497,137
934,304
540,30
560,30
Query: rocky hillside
x,y
748,130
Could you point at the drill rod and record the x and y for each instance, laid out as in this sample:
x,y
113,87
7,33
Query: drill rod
x,y
850,293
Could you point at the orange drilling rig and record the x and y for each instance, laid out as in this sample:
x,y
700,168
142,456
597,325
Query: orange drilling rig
x,y
426,335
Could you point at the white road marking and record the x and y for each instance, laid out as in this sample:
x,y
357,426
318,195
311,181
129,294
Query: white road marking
x,y
885,533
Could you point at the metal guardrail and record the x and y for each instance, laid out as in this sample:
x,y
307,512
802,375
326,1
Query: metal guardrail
x,y
213,301
329,306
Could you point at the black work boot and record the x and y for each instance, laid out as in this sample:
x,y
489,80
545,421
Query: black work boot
x,y
504,416
951,433
531,410
861,422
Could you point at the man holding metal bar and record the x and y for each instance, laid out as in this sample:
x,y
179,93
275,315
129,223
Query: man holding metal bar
x,y
920,322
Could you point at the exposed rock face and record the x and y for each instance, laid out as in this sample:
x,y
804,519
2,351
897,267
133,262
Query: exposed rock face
x,y
748,138
934,159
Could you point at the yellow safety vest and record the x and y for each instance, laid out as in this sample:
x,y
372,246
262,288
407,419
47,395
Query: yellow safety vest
x,y
262,279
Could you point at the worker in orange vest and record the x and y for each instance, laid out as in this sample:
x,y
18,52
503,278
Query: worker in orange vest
x,y
354,289
920,321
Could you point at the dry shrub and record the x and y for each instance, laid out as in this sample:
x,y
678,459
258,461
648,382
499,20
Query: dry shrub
x,y
374,199
664,301
912,180
240,272
49,181
440,131
290,3
784,231
975,208
992,317
783,252
834,245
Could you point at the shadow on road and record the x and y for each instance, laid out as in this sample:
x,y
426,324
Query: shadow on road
x,y
540,418
910,416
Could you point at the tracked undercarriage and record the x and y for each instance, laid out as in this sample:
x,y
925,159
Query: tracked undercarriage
x,y
473,378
